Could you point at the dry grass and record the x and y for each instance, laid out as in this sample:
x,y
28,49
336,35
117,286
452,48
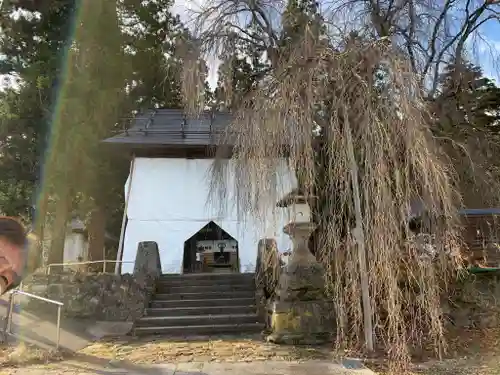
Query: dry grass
x,y
470,352
24,354
462,366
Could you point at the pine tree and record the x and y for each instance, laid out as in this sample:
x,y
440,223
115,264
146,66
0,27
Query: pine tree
x,y
27,102
467,99
467,112
88,182
151,36
301,17
109,74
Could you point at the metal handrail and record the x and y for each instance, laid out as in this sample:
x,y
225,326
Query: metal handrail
x,y
59,305
105,262
15,291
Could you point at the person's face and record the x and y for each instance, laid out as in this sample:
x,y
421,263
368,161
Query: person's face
x,y
10,256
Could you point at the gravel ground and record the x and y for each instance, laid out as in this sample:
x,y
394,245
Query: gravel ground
x,y
202,349
470,353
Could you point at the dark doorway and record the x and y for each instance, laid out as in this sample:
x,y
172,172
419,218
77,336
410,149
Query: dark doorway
x,y
211,249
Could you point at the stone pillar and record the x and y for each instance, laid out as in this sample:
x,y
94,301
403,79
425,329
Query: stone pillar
x,y
147,259
147,268
301,313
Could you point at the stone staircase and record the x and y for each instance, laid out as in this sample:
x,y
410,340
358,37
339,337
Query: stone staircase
x,y
201,304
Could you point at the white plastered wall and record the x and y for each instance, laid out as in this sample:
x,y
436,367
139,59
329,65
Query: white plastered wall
x,y
168,204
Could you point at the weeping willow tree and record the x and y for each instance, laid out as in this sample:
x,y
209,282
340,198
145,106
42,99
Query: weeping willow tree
x,y
319,99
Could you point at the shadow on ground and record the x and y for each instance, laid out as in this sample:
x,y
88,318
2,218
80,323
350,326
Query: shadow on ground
x,y
40,328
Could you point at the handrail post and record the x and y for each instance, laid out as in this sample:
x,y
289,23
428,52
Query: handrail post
x,y
58,337
8,328
9,313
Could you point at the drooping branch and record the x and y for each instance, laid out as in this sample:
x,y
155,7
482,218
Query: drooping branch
x,y
377,83
397,160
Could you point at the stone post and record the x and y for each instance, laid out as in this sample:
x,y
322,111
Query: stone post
x,y
147,267
147,259
301,313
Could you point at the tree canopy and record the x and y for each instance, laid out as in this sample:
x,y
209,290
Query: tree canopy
x,y
83,72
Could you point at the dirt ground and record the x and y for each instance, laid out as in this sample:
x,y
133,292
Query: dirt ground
x,y
202,349
156,350
470,352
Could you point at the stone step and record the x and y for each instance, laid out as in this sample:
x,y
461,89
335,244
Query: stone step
x,y
191,281
213,329
196,320
216,302
166,289
203,295
206,276
201,310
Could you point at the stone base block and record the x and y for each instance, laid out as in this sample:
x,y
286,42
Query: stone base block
x,y
302,282
302,322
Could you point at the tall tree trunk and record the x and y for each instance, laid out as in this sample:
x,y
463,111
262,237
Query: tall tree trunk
x,y
97,230
63,206
35,250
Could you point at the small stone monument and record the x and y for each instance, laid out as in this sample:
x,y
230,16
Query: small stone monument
x,y
301,313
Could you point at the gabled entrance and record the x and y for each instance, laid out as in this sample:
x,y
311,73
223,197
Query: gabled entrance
x,y
209,250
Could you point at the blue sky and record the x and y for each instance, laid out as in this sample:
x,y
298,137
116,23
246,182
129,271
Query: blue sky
x,y
490,64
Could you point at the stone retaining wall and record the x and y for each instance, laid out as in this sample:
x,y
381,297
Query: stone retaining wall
x,y
474,302
98,296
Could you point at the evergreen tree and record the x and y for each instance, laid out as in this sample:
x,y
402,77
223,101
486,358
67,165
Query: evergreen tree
x,y
117,74
246,64
31,46
80,173
301,19
468,100
151,35
467,112
118,62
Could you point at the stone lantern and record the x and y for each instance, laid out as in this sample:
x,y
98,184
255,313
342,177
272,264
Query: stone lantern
x,y
297,207
301,313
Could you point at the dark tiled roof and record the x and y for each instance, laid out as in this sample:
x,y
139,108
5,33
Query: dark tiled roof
x,y
171,127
